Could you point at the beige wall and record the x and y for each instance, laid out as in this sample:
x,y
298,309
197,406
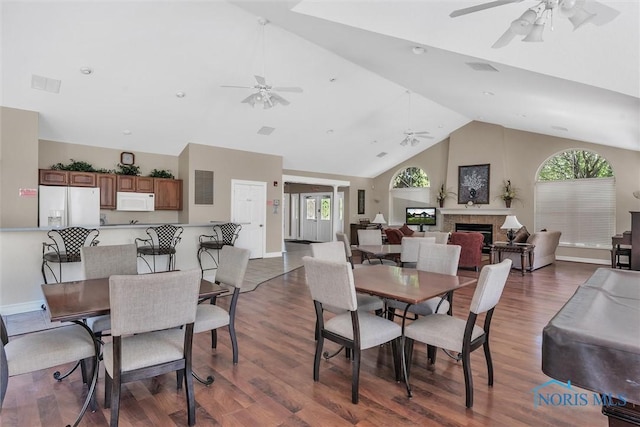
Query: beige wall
x,y
18,167
517,155
227,165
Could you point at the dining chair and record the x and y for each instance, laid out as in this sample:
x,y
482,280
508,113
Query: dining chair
x,y
331,283
45,349
409,249
105,261
372,238
342,237
152,317
162,241
223,235
435,258
64,247
230,273
459,335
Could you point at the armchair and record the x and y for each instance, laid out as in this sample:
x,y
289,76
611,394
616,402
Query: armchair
x,y
544,253
471,244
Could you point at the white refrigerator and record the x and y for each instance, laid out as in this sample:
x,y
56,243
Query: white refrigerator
x,y
68,206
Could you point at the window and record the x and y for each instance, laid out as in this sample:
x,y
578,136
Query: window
x,y
410,187
575,193
325,208
311,208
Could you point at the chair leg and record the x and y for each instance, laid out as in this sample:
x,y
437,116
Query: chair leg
x,y
234,341
108,383
487,356
191,402
395,350
214,338
405,348
431,355
115,401
355,380
316,359
468,381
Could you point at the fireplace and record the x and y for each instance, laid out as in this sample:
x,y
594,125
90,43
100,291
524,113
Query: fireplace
x,y
485,229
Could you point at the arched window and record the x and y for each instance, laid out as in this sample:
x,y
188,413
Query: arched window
x,y
575,193
409,187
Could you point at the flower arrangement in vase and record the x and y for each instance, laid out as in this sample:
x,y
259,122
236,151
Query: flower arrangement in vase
x,y
443,193
508,193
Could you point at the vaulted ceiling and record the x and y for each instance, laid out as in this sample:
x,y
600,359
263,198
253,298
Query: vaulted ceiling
x,y
363,83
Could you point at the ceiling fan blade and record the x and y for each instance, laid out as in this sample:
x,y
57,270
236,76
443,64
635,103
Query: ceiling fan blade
x,y
424,136
240,87
480,7
604,13
504,39
404,142
288,89
421,133
261,81
251,99
277,99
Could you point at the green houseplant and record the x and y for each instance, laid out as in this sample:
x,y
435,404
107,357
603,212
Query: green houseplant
x,y
443,193
508,193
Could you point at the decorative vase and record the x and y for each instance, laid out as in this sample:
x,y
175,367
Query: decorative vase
x,y
441,202
507,203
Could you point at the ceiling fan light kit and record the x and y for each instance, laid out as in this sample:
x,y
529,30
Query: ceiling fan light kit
x,y
532,22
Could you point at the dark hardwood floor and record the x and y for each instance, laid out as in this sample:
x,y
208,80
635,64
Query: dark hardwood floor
x,y
272,385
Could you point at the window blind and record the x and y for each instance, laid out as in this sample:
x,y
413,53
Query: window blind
x,y
583,209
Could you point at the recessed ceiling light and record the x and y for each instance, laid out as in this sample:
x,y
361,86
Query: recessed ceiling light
x,y
486,92
180,94
329,131
523,115
332,79
418,50
375,141
86,70
382,154
126,132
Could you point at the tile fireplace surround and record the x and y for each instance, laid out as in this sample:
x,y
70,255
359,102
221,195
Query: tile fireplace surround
x,y
473,215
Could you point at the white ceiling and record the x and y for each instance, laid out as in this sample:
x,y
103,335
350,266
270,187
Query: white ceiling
x,y
353,59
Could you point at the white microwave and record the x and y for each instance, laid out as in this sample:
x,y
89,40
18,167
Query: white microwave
x,y
140,202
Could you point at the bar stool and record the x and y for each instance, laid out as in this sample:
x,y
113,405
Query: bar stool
x,y
223,235
162,241
65,247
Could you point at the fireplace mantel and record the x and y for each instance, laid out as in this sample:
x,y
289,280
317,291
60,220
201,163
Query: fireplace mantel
x,y
476,211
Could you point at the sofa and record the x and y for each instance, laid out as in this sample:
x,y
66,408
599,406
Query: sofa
x,y
544,253
393,237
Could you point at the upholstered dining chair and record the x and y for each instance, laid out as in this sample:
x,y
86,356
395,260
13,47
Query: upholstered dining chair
x,y
372,238
162,241
331,283
106,261
434,258
46,349
342,237
459,335
64,247
152,317
409,249
223,235
471,244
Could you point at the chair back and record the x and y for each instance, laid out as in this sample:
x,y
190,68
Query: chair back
x,y
438,258
329,251
164,237
105,261
342,237
490,285
331,283
70,240
233,266
150,302
369,237
410,245
471,243
227,234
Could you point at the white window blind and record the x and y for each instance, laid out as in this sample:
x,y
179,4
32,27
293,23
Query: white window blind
x,y
584,210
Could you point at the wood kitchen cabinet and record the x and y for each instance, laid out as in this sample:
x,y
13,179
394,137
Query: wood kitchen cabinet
x,y
64,178
107,184
135,184
168,194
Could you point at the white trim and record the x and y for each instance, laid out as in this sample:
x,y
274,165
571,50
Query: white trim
x,y
272,255
584,260
23,307
473,210
315,181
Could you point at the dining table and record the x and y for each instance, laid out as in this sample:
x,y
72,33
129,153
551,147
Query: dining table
x,y
78,300
380,252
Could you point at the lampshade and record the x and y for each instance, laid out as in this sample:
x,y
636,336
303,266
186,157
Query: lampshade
x,y
535,35
581,17
379,219
511,223
522,25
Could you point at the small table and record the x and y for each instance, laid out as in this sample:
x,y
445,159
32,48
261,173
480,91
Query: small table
x,y
524,249
381,251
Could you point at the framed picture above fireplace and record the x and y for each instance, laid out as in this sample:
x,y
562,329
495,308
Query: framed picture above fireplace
x,y
473,184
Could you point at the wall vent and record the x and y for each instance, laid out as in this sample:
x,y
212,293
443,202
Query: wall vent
x,y
46,84
203,186
481,66
266,130
382,154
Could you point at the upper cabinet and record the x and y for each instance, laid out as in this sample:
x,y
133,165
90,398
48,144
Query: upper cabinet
x,y
72,178
107,184
168,194
136,184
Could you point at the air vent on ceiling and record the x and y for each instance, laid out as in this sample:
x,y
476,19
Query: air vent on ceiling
x,y
382,154
560,128
46,84
481,66
266,130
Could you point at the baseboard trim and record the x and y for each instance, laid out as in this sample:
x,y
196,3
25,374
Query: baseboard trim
x,y
584,260
21,308
272,255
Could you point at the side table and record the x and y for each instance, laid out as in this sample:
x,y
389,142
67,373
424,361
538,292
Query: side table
x,y
524,249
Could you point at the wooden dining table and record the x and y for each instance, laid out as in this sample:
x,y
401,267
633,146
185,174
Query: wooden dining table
x,y
80,299
391,252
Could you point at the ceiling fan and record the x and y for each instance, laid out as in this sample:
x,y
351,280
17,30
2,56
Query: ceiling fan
x,y
411,137
532,22
265,93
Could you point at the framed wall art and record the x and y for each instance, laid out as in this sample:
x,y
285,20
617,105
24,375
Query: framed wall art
x,y
360,202
473,184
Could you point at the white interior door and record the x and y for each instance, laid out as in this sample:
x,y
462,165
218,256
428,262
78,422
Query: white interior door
x,y
317,212
309,217
249,204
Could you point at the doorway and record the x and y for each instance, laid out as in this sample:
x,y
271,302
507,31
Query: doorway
x,y
248,208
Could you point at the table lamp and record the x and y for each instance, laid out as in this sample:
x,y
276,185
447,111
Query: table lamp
x,y
510,224
379,219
